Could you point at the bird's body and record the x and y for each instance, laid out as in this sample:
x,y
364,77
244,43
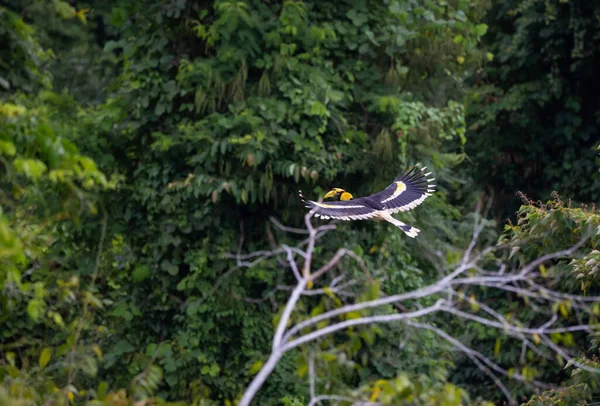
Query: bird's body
x,y
407,191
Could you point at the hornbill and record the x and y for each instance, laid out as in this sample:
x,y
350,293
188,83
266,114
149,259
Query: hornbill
x,y
407,191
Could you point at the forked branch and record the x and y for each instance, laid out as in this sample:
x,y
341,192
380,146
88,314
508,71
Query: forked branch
x,y
526,281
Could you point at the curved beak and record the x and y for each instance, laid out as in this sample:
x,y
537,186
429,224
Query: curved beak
x,y
331,193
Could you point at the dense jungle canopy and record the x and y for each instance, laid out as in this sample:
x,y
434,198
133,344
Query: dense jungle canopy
x,y
143,144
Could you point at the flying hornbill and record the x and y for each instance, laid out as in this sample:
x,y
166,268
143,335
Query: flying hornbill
x,y
407,191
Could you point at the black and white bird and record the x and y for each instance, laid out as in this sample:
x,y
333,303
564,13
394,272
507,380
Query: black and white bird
x,y
408,190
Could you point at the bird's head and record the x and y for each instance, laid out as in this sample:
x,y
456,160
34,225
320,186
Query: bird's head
x,y
338,194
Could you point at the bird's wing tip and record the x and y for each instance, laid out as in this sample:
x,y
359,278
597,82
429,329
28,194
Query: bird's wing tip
x,y
309,204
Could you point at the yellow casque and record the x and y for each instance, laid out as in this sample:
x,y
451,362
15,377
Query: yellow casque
x,y
407,191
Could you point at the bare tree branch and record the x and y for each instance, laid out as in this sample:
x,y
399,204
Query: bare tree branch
x,y
417,294
475,356
287,229
467,272
363,320
290,259
336,259
473,353
567,357
287,311
512,328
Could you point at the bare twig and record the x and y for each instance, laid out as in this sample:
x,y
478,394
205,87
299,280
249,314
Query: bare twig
x,y
335,260
287,229
290,259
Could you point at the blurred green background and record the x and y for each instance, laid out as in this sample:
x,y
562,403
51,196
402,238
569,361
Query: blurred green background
x,y
139,140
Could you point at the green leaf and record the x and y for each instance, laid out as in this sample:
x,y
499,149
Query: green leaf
x,y
35,308
357,18
111,46
563,310
123,347
318,109
481,29
102,389
45,357
302,370
65,10
32,168
7,148
160,108
497,347
141,272
129,50
255,368
89,366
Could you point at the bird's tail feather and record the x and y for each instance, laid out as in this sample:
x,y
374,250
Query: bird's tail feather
x,y
410,231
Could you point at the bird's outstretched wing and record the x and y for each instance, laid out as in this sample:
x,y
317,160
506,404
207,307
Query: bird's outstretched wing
x,y
355,209
407,191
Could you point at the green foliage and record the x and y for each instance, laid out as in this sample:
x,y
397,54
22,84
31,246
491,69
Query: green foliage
x,y
544,228
119,218
420,391
61,49
556,226
45,180
48,188
221,114
534,112
22,56
576,395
